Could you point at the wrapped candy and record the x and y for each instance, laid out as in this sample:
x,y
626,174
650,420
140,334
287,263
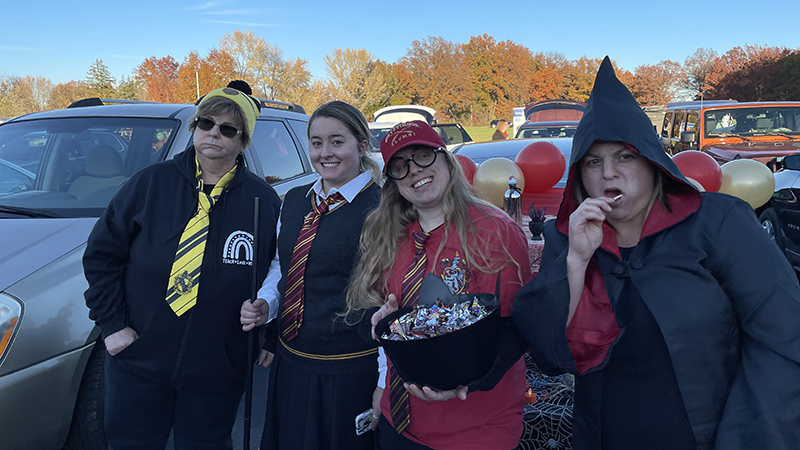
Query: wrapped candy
x,y
424,322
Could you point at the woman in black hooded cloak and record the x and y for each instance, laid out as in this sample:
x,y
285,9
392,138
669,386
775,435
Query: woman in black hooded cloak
x,y
679,316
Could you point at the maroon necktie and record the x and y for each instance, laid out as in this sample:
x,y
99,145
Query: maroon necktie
x,y
398,395
292,315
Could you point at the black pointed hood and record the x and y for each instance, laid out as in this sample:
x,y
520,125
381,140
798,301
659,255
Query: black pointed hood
x,y
613,114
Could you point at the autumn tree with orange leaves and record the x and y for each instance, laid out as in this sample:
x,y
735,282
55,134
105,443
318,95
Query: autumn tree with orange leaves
x,y
655,84
472,82
750,73
158,78
579,78
434,74
500,73
392,88
696,68
201,75
546,83
64,94
547,80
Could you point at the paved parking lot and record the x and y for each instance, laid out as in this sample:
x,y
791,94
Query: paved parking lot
x,y
260,376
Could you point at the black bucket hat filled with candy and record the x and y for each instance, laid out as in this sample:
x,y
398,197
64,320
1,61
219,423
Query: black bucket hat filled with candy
x,y
446,340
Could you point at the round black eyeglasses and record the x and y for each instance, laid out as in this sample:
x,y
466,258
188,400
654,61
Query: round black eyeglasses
x,y
398,167
207,124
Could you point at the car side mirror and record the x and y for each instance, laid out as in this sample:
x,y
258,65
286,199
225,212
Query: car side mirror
x,y
791,162
687,137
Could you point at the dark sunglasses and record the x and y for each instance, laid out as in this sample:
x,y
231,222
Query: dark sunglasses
x,y
207,124
398,167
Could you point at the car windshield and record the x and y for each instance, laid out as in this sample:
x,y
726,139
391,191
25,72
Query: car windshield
x,y
752,121
452,134
546,132
72,167
376,134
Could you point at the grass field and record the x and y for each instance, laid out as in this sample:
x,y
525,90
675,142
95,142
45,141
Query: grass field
x,y
480,134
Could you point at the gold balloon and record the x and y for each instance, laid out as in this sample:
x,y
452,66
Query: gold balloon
x,y
696,184
491,179
749,180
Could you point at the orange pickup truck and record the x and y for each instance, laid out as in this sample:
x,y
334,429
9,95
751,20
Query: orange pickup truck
x,y
731,130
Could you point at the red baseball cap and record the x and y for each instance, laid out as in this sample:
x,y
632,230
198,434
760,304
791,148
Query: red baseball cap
x,y
416,132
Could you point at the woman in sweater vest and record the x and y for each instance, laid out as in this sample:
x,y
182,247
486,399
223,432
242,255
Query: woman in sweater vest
x,y
323,373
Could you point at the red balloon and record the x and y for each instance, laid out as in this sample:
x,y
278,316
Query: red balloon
x,y
468,166
543,165
700,167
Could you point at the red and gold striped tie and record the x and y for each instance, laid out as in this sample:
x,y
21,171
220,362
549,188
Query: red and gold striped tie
x,y
292,315
398,396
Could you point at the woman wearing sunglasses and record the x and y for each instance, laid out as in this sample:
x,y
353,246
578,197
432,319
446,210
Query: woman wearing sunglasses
x,y
166,289
322,372
429,221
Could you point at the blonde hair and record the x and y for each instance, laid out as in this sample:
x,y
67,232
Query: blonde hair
x,y
384,230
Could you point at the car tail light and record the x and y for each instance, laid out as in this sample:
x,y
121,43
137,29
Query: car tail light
x,y
10,319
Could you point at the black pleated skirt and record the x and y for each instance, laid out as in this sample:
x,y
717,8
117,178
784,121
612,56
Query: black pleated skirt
x,y
311,411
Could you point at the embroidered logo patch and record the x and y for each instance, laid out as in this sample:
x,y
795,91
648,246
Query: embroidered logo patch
x,y
238,249
454,274
183,283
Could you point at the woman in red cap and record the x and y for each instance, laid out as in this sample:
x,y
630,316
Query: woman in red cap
x,y
428,215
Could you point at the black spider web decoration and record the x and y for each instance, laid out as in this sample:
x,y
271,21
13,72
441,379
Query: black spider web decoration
x,y
548,422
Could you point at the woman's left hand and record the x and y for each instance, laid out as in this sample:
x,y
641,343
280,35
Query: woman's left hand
x,y
376,406
389,307
432,395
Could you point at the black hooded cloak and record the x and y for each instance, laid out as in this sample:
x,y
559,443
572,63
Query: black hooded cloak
x,y
690,339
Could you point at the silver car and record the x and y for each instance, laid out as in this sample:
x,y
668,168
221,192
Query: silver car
x,y
481,151
58,171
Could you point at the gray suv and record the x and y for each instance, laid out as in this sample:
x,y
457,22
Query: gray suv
x,y
58,171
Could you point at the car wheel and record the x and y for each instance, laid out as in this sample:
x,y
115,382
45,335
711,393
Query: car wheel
x,y
87,431
772,225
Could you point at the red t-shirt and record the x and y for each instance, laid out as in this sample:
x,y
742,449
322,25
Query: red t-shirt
x,y
486,419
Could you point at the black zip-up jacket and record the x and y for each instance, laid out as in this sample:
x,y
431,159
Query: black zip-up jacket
x,y
129,257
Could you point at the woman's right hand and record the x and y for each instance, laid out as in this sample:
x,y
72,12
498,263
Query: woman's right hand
x,y
253,314
586,227
389,307
120,340
265,359
432,395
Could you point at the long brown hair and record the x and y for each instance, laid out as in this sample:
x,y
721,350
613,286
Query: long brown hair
x,y
384,230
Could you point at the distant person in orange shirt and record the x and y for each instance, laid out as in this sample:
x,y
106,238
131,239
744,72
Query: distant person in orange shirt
x,y
500,133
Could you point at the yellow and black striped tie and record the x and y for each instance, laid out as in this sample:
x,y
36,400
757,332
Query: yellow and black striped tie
x,y
184,279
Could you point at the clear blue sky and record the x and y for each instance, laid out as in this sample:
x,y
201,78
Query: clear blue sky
x,y
60,40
